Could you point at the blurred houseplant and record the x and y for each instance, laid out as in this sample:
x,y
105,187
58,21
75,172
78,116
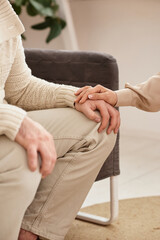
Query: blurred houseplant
x,y
47,9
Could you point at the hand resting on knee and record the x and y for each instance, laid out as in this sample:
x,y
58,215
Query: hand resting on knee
x,y
35,139
108,114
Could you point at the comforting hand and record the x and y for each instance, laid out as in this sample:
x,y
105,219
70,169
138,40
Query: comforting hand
x,y
96,93
35,139
108,114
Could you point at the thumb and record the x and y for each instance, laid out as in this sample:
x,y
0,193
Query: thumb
x,y
92,115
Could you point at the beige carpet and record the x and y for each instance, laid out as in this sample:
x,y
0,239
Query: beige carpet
x,y
139,219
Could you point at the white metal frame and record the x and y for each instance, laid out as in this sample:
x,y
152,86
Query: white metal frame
x,y
113,207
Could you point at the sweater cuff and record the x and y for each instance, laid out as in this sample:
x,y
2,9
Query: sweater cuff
x,y
67,95
11,118
125,97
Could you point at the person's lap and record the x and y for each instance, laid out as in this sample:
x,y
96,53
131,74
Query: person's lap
x,y
74,135
18,186
81,152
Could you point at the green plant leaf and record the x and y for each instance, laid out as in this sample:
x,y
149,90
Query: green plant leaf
x,y
55,31
63,23
24,2
18,2
45,3
55,8
47,12
41,26
45,8
16,8
23,36
44,11
31,10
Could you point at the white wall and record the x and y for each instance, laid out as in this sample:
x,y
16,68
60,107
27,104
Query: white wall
x,y
127,29
130,31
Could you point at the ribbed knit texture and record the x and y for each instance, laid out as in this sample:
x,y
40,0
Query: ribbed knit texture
x,y
10,25
17,85
31,93
10,120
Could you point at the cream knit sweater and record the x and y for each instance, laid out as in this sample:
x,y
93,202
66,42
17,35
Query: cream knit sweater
x,y
23,91
18,87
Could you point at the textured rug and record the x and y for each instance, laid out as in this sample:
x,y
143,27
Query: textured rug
x,y
139,219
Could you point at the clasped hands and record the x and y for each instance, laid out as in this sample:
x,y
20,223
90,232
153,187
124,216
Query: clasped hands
x,y
102,99
37,140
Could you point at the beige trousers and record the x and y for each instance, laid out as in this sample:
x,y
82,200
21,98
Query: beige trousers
x,y
51,203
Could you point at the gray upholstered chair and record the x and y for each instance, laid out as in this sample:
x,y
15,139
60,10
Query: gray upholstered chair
x,y
79,69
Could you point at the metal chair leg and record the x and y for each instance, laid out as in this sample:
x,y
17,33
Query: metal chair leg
x,y
113,207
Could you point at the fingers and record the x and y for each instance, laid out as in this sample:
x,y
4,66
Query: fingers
x,y
32,157
91,114
97,93
84,93
104,116
35,139
114,120
118,125
109,115
98,96
80,96
48,155
81,93
81,90
114,125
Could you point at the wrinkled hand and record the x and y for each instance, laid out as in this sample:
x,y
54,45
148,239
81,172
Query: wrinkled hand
x,y
108,114
35,139
96,93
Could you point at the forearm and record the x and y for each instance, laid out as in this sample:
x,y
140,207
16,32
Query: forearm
x,y
31,93
40,94
145,96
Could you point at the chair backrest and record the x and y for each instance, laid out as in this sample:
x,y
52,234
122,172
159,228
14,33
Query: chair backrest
x,y
79,69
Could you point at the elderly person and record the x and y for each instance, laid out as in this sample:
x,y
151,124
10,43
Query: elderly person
x,y
145,96
50,152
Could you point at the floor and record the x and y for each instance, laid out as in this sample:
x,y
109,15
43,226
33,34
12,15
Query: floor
x,y
140,170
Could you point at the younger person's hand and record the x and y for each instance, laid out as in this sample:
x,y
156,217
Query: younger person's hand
x,y
96,93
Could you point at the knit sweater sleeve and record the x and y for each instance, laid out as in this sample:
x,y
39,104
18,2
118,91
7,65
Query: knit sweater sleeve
x,y
11,118
31,93
145,96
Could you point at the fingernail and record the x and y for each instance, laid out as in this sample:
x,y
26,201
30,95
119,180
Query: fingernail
x,y
97,119
90,96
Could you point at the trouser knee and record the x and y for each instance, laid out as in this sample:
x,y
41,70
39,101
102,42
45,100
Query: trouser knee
x,y
100,143
16,174
27,184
